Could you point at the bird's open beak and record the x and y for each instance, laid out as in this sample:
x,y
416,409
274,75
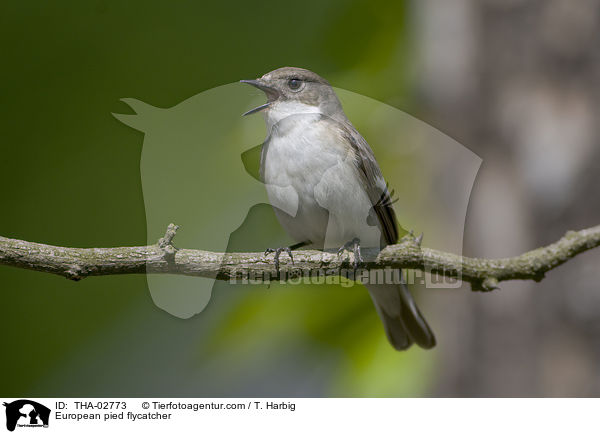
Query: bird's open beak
x,y
271,92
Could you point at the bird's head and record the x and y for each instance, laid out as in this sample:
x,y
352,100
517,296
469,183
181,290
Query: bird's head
x,y
292,91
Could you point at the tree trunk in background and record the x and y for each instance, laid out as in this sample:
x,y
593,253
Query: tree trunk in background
x,y
518,83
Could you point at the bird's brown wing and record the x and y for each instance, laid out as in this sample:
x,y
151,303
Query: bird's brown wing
x,y
372,180
403,322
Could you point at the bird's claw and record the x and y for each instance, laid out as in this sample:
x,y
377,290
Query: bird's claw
x,y
354,247
278,252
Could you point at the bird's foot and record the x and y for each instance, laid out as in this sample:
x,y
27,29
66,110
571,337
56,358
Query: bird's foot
x,y
354,247
278,252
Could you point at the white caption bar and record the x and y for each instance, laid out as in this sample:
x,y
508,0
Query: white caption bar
x,y
260,415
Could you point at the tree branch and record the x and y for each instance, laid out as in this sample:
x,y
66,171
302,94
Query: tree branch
x,y
163,257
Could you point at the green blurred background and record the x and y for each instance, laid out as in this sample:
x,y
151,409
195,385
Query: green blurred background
x,y
71,177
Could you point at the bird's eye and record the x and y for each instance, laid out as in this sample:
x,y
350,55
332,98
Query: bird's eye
x,y
294,84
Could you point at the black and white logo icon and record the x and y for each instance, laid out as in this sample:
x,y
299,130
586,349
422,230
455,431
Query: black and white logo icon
x,y
26,413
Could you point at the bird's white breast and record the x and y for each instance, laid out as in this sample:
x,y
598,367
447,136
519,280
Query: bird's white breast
x,y
312,181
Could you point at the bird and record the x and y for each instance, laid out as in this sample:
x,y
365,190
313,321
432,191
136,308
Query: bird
x,y
327,189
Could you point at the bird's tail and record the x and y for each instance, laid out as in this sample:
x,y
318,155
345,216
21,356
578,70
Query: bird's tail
x,y
402,320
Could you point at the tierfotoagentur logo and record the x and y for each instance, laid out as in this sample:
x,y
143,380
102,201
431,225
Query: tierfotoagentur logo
x,y
303,175
349,277
25,413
